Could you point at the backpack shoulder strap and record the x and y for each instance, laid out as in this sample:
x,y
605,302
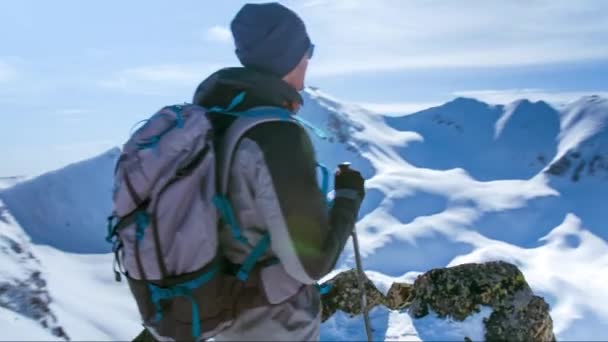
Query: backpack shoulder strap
x,y
245,122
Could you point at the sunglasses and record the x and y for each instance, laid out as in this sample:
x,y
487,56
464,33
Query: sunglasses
x,y
311,50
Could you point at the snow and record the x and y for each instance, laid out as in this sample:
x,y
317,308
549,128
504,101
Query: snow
x,y
7,182
16,263
457,183
581,120
89,303
432,328
465,202
570,268
14,327
401,328
342,327
66,208
388,325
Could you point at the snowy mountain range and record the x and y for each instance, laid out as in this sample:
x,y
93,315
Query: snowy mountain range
x,y
463,182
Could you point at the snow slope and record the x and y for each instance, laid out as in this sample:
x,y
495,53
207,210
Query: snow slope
x,y
490,142
448,197
462,182
23,288
90,304
7,182
66,208
16,327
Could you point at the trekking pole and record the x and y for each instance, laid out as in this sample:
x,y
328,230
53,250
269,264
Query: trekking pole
x,y
360,275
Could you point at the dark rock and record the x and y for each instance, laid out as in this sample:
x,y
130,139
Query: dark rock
x,y
560,167
456,292
13,245
29,297
345,296
59,332
577,173
460,291
524,323
399,296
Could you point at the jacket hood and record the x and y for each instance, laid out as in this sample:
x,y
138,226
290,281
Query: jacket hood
x,y
261,89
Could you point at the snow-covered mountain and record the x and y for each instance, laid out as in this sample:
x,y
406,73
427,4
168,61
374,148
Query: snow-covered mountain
x,y
490,142
7,182
462,182
63,209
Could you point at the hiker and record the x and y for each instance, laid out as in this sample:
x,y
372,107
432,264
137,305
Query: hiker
x,y
219,224
273,183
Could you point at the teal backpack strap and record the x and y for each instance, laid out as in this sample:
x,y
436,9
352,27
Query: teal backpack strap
x,y
323,288
252,259
142,220
246,121
325,179
237,100
266,111
225,208
153,141
317,131
184,289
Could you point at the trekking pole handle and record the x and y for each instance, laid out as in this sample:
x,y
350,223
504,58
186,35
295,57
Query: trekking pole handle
x,y
344,166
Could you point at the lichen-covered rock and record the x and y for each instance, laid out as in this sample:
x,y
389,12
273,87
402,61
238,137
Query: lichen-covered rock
x,y
524,323
344,295
458,292
399,296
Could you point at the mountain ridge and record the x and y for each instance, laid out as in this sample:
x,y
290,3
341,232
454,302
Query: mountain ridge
x,y
419,213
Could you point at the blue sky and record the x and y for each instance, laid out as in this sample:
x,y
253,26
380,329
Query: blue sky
x,y
76,75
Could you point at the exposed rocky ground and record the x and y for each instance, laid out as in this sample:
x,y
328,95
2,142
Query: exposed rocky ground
x,y
575,166
22,286
30,298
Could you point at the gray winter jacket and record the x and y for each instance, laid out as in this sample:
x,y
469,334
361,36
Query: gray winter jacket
x,y
273,187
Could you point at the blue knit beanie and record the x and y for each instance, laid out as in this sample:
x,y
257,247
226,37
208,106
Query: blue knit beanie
x,y
269,37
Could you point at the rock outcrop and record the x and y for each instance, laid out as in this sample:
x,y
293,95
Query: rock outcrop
x,y
456,293
345,295
30,298
23,288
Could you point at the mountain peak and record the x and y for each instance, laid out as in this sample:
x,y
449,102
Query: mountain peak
x,y
527,114
466,102
526,103
583,139
70,204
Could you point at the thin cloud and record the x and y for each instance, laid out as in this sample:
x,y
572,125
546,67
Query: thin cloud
x,y
499,57
389,35
73,112
86,148
219,34
7,72
492,96
157,79
397,108
506,96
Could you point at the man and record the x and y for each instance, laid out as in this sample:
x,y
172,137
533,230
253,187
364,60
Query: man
x,y
273,185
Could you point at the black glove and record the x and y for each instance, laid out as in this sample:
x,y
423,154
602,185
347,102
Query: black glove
x,y
349,179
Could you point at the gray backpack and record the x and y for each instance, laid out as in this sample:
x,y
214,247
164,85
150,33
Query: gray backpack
x,y
170,194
